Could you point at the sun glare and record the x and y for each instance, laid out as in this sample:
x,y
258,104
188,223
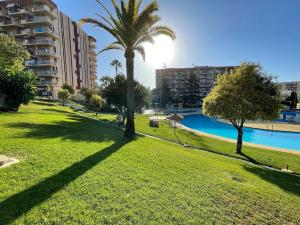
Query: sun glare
x,y
159,53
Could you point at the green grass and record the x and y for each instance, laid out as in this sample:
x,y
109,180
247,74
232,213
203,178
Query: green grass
x,y
272,158
76,171
275,159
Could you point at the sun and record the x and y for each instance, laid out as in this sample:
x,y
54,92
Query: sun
x,y
159,53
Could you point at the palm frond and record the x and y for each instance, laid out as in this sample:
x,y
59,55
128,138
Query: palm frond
x,y
140,49
97,23
143,17
112,46
162,30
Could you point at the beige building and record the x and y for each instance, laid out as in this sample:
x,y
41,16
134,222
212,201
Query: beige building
x,y
286,88
61,52
186,86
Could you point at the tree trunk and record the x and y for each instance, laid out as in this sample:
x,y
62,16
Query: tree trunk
x,y
239,144
130,128
116,71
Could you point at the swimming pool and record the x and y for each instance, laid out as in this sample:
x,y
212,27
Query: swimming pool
x,y
277,139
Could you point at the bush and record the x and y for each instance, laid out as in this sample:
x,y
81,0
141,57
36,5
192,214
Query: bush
x,y
64,95
16,88
69,88
96,103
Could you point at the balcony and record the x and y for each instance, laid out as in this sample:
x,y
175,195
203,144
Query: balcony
x,y
93,45
45,20
93,76
42,42
17,12
46,52
20,33
45,10
46,73
45,31
2,13
44,83
10,23
39,63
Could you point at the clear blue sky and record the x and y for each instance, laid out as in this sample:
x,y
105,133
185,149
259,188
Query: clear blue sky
x,y
214,32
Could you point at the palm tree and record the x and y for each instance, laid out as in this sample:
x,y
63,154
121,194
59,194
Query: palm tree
x,y
117,64
131,27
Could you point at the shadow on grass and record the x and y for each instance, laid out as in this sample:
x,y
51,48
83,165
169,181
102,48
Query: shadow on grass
x,y
249,158
20,203
74,127
43,103
58,111
284,181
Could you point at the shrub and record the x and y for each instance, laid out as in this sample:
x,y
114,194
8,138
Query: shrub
x,y
64,95
16,88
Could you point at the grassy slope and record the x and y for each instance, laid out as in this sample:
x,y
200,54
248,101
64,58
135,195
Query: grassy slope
x,y
272,158
74,170
276,159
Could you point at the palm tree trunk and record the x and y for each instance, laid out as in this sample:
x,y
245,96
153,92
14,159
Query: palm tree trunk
x,y
116,71
130,128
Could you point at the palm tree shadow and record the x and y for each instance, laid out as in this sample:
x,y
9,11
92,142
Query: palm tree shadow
x,y
22,202
286,182
75,128
250,159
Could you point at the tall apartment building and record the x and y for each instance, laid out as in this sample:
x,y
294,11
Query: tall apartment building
x,y
61,52
186,86
286,88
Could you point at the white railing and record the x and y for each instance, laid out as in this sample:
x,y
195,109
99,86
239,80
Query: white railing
x,y
39,62
46,73
40,8
39,41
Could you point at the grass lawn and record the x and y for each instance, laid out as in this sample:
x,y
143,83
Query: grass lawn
x,y
275,159
76,171
272,158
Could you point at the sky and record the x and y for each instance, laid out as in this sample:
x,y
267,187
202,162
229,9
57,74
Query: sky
x,y
211,33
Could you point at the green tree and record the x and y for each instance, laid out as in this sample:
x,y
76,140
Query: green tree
x,y
96,103
131,27
246,93
64,95
116,64
292,100
12,54
16,88
87,93
115,94
68,87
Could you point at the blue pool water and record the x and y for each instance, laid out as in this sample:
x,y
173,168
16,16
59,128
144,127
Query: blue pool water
x,y
277,139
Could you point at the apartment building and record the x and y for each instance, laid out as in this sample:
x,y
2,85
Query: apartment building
x,y
186,86
286,88
61,52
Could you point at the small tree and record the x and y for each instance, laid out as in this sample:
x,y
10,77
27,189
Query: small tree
x,y
68,87
292,100
64,95
115,92
96,103
87,93
16,88
246,93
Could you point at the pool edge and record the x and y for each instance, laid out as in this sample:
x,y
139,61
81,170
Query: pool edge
x,y
266,147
